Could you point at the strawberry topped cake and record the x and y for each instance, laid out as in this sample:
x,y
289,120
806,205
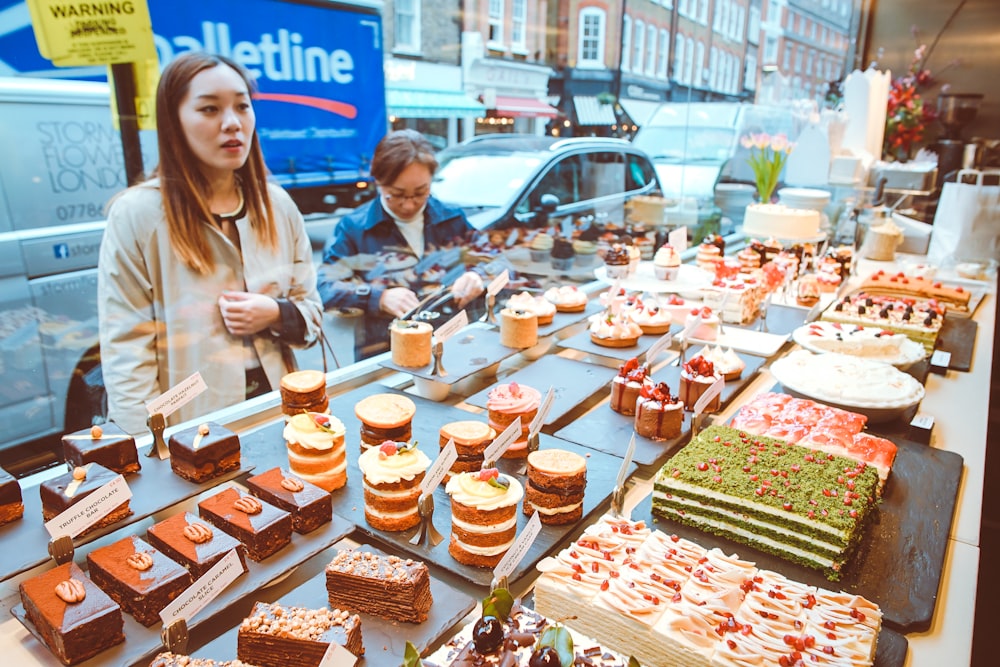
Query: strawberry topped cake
x,y
658,415
610,330
632,376
702,324
392,473
902,284
650,317
507,402
697,376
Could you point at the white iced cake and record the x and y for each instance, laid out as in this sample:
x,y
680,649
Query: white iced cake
x,y
781,222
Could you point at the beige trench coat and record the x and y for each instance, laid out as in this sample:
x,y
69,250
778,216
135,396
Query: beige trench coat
x,y
160,321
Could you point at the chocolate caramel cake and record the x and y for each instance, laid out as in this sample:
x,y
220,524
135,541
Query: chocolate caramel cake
x,y
195,544
309,505
11,501
260,526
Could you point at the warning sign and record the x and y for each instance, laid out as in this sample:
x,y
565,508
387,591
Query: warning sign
x,y
72,33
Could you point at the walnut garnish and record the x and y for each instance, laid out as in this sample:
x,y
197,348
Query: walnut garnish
x,y
248,505
96,432
80,473
71,591
198,533
203,429
292,484
141,561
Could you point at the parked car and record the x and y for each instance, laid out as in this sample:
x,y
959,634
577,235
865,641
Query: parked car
x,y
501,180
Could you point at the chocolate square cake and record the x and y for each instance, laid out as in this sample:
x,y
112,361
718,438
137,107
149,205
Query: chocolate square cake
x,y
203,452
261,527
60,493
195,544
390,587
275,635
11,502
309,505
107,444
138,577
74,618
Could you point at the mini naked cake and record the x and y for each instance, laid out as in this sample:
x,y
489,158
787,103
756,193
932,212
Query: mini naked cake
x,y
304,391
309,505
138,577
261,527
204,452
567,298
708,256
276,635
74,618
625,387
483,516
60,493
410,343
385,417
543,309
609,330
658,415
107,444
518,328
392,473
316,449
194,543
390,587
556,482
697,376
11,501
471,439
507,402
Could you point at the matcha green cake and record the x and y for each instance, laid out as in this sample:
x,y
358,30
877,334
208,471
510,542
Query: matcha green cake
x,y
807,506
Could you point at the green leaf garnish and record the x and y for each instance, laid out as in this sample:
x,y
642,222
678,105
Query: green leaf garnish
x,y
411,656
499,482
558,638
498,603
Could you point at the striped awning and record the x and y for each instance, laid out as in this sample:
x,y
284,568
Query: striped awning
x,y
431,104
590,111
515,107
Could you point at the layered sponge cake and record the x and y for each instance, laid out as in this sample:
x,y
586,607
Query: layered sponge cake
x,y
393,473
304,391
471,439
483,516
507,402
385,417
316,450
557,480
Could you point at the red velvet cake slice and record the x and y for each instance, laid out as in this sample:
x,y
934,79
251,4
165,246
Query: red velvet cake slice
x,y
261,527
195,544
204,452
275,635
309,505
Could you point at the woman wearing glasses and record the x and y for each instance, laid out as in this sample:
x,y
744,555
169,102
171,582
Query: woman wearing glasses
x,y
384,255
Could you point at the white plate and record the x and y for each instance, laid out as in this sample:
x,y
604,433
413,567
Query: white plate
x,y
757,343
910,352
689,278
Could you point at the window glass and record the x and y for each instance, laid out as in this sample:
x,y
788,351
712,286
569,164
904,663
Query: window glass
x,y
591,46
407,25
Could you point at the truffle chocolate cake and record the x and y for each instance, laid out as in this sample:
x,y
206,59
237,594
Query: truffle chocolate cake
x,y
309,505
260,526
138,577
275,635
74,618
204,452
11,501
60,493
107,444
389,587
195,544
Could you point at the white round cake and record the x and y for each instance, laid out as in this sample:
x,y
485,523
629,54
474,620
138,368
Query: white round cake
x,y
780,222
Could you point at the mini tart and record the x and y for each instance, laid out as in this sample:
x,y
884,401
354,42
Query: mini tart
x,y
567,299
613,342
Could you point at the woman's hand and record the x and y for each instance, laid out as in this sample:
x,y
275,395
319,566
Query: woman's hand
x,y
246,313
397,301
468,286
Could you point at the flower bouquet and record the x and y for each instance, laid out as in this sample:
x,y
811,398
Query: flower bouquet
x,y
767,158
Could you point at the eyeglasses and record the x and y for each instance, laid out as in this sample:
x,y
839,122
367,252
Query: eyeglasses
x,y
416,198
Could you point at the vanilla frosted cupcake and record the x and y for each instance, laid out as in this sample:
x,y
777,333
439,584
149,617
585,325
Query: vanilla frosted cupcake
x,y
541,247
316,450
666,263
392,476
483,516
585,251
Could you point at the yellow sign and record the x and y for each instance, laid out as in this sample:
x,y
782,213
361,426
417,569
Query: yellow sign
x,y
73,33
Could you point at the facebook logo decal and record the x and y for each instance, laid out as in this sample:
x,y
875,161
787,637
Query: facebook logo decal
x,y
61,250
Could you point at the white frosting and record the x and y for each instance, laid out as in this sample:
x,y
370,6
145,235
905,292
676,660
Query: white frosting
x,y
872,343
725,361
381,469
470,491
303,431
566,295
781,222
483,551
552,511
485,528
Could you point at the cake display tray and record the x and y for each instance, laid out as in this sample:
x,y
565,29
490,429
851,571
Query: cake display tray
x,y
469,351
958,336
266,448
605,430
582,343
384,641
758,343
572,381
899,561
562,321
781,319
142,643
154,488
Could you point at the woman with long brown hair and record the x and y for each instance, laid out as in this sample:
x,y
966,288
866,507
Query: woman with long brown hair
x,y
207,266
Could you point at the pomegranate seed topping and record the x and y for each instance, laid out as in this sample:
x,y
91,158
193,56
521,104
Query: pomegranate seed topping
x,y
675,538
830,625
787,506
831,636
594,567
854,514
577,577
731,644
605,585
703,467
614,574
810,641
828,650
577,567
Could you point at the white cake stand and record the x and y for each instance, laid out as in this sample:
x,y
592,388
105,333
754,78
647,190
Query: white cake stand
x,y
690,278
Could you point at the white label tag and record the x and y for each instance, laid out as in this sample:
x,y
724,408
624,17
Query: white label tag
x,y
678,239
197,596
503,441
451,327
337,656
81,516
517,551
662,343
178,395
709,395
498,283
941,359
925,422
543,413
442,464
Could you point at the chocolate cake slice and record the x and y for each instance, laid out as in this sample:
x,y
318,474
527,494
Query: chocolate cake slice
x,y
390,587
203,452
60,493
195,544
309,505
11,502
74,618
107,444
261,527
274,635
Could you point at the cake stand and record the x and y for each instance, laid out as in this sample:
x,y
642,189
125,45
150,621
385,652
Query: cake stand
x,y
690,278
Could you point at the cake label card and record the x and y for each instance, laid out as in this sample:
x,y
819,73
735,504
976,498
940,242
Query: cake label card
x,y
502,442
81,516
442,464
708,396
498,283
662,343
177,396
337,656
517,551
678,239
451,327
923,421
543,413
199,594
941,359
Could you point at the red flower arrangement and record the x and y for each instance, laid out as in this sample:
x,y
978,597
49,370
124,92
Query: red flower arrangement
x,y
907,116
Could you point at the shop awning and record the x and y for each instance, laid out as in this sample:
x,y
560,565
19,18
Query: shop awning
x,y
640,111
515,107
432,104
590,111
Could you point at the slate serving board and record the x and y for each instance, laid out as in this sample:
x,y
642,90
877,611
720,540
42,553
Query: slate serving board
x,y
266,447
781,319
605,430
384,641
958,336
899,561
142,643
469,351
582,343
155,487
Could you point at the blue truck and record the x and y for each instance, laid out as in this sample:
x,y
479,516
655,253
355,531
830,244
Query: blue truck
x,y
320,113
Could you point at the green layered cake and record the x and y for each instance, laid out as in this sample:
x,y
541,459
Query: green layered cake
x,y
807,506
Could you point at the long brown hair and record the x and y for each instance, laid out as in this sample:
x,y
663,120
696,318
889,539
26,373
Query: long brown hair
x,y
182,184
